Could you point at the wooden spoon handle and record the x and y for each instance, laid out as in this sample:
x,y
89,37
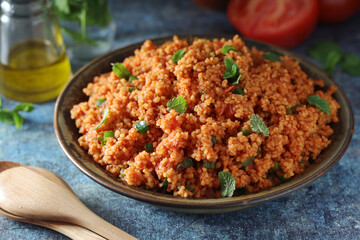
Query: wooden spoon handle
x,y
92,221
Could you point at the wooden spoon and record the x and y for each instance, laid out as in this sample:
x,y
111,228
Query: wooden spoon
x,y
70,230
26,193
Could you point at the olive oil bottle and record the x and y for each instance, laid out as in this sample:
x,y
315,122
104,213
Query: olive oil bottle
x,y
34,66
35,72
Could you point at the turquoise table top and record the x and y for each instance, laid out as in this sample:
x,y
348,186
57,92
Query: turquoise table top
x,y
326,209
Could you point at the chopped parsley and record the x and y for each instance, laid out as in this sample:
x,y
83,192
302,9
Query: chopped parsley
x,y
100,101
178,104
248,161
188,162
191,189
105,113
226,49
245,132
131,89
292,110
165,183
227,183
103,139
149,147
258,125
320,103
238,91
275,167
209,165
132,78
178,55
272,57
141,127
213,140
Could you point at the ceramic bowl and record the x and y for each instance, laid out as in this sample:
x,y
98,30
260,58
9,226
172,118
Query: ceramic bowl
x,y
67,135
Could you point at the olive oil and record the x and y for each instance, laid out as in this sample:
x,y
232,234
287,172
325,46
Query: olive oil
x,y
35,71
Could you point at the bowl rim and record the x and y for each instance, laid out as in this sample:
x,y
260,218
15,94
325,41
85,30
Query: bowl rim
x,y
203,203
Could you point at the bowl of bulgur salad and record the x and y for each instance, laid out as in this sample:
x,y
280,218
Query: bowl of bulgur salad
x,y
203,123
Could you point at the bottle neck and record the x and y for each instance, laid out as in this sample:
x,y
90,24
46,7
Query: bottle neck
x,y
25,8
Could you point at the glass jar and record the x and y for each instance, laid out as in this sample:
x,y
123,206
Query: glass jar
x,y
33,63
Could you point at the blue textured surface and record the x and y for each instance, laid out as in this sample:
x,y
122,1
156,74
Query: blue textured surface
x,y
326,209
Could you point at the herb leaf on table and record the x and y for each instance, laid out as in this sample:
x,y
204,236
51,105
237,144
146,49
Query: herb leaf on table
x,y
13,117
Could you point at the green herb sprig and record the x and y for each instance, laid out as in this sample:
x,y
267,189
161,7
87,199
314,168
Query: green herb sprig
x,y
232,71
85,13
12,117
331,54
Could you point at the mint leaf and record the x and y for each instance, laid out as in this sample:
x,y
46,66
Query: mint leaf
x,y
258,125
332,59
351,64
322,49
229,65
121,71
232,71
105,113
25,107
238,91
178,104
226,49
320,103
272,57
178,55
227,183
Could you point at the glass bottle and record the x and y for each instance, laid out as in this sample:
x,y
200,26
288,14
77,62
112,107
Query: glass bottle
x,y
33,62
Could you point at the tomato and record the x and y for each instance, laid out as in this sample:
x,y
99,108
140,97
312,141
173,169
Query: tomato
x,y
285,23
333,11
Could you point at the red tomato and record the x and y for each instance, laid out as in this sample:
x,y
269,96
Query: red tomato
x,y
333,11
285,23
